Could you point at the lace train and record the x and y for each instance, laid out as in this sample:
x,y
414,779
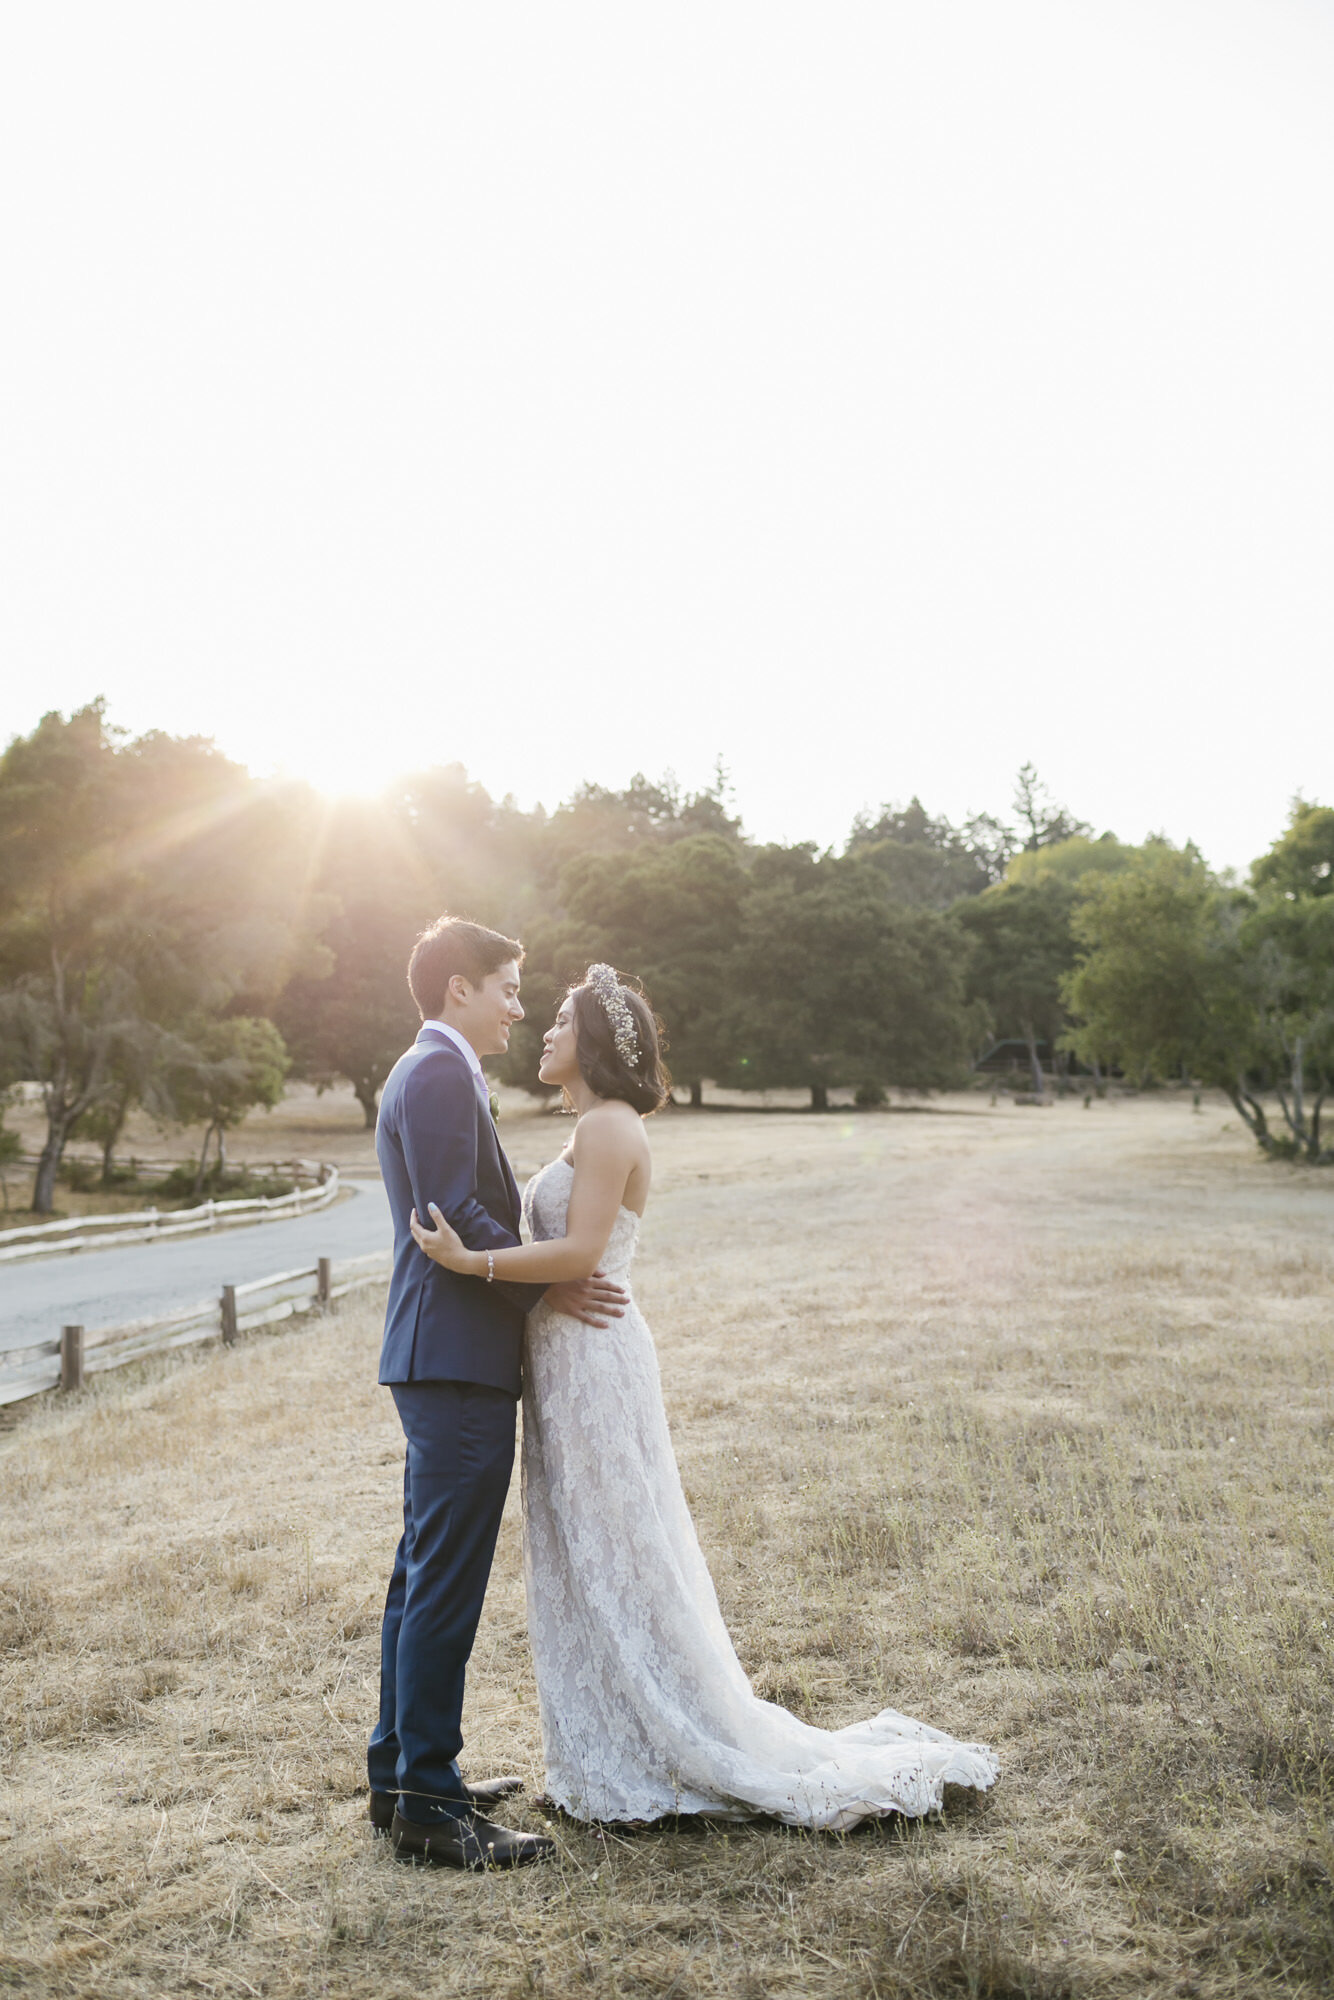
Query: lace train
x,y
646,1709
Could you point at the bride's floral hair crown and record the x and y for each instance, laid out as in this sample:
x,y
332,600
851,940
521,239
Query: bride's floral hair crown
x,y
611,995
618,1040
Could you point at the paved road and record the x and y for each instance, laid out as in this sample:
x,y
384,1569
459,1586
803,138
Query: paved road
x,y
97,1288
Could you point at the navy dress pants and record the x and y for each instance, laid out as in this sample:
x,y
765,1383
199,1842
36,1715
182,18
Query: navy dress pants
x,y
460,1454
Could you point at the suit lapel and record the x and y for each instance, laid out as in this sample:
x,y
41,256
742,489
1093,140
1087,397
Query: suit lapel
x,y
511,1185
486,1124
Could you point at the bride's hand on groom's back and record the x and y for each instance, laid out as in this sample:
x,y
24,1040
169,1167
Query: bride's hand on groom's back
x,y
596,1300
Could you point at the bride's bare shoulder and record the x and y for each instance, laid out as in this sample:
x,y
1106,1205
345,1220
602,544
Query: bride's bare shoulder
x,y
611,1127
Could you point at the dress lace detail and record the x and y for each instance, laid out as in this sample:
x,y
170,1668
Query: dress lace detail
x,y
645,1707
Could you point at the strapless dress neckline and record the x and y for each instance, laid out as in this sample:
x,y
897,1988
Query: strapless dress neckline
x,y
621,1209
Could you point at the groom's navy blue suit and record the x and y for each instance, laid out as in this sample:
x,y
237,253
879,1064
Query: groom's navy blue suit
x,y
451,1357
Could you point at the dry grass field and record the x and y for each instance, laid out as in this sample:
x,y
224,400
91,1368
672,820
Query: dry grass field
x,y
1018,1420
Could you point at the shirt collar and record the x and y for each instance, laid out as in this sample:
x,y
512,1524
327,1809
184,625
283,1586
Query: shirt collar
x,y
460,1042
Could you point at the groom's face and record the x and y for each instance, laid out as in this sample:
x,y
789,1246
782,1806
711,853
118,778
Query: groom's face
x,y
485,1014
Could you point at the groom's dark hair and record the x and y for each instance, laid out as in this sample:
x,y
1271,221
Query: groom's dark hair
x,y
450,945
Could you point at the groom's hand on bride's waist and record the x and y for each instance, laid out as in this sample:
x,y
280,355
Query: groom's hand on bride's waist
x,y
596,1300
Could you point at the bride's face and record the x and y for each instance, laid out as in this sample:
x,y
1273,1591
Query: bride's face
x,y
560,1063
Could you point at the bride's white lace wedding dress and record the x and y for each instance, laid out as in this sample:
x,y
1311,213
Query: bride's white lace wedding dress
x,y
645,1708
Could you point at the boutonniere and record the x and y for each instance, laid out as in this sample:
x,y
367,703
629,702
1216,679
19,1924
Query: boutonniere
x,y
494,1102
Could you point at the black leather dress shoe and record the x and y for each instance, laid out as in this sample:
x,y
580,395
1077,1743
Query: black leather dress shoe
x,y
474,1843
486,1792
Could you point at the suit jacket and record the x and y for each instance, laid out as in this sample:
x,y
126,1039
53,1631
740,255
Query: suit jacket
x,y
436,1141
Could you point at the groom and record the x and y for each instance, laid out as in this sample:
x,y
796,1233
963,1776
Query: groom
x,y
451,1359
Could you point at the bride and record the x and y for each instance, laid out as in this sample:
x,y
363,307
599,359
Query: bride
x,y
646,1710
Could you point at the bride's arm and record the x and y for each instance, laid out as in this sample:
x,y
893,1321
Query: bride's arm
x,y
603,1160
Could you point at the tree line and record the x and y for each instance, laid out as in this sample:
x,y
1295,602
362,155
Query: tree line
x,y
180,936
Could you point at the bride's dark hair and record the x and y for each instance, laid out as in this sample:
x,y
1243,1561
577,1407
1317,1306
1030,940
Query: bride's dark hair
x,y
643,1084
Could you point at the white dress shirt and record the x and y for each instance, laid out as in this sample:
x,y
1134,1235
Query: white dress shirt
x,y
471,1056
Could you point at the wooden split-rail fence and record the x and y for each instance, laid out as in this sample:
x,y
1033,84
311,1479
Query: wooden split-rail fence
x,y
151,1225
65,1363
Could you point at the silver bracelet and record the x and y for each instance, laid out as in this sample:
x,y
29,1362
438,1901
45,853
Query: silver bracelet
x,y
490,1265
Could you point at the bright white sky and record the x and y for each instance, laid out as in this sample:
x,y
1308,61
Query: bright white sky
x,y
875,394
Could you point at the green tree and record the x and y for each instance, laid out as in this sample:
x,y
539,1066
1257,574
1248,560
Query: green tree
x,y
138,1076
1301,861
355,1022
927,862
351,1014
1154,966
69,1033
666,913
1021,948
66,1008
1042,823
11,1150
1289,936
225,1070
449,846
1072,861
647,813
833,984
1179,975
139,882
